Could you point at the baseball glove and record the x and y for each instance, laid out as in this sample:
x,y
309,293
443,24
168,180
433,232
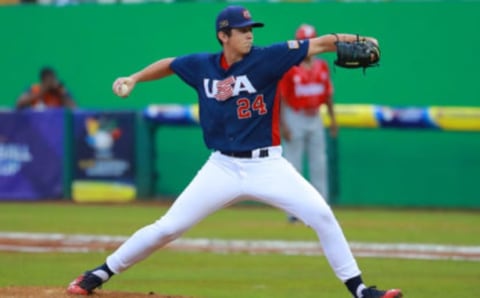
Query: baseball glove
x,y
361,53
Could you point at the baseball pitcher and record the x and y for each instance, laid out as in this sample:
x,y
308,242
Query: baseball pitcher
x,y
239,117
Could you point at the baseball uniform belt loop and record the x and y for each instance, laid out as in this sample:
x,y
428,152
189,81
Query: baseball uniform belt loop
x,y
247,154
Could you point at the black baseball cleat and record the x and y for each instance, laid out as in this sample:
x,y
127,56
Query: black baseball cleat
x,y
372,292
84,284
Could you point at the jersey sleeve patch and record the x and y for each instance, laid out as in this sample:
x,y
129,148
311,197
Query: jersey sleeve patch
x,y
293,44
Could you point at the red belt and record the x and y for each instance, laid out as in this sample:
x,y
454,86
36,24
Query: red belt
x,y
307,111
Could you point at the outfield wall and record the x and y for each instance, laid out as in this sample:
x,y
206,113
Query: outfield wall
x,y
427,59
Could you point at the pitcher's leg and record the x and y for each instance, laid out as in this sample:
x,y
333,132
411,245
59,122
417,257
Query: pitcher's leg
x,y
315,213
213,187
320,218
199,199
288,190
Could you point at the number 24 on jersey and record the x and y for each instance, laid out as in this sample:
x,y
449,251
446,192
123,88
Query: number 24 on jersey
x,y
245,108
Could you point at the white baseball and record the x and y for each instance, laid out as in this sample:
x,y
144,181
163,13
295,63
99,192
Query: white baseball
x,y
123,89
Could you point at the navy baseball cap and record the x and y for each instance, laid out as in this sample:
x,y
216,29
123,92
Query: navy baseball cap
x,y
235,17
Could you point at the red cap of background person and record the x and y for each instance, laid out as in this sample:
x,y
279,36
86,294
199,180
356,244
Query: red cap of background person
x,y
305,32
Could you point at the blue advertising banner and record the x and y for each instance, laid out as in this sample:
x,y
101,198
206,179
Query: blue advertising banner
x,y
404,117
104,156
31,154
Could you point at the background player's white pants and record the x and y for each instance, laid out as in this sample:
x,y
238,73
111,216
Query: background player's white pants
x,y
308,139
225,180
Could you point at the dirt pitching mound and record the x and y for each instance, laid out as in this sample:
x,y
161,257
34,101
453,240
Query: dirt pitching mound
x,y
49,292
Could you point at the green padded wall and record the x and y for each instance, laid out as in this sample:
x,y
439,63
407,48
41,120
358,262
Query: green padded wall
x,y
427,59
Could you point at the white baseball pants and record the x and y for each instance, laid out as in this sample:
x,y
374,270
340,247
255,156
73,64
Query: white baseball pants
x,y
225,180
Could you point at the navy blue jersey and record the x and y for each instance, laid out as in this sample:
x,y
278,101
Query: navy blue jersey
x,y
238,107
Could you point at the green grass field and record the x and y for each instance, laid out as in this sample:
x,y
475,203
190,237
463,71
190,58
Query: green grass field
x,y
240,274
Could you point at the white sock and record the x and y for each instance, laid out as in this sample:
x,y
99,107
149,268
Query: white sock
x,y
102,274
360,290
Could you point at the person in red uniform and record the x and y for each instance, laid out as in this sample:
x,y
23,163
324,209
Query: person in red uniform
x,y
49,93
304,89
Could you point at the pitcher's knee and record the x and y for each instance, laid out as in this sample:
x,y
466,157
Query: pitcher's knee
x,y
167,231
318,215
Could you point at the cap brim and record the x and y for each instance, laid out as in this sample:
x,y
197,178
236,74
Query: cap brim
x,y
248,24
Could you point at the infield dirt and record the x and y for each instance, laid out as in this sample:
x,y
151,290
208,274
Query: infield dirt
x,y
49,292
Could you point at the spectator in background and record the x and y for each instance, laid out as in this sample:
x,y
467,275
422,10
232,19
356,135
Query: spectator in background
x,y
9,2
49,93
303,89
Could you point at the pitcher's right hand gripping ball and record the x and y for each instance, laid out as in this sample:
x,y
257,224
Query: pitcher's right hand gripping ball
x,y
123,86
361,53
